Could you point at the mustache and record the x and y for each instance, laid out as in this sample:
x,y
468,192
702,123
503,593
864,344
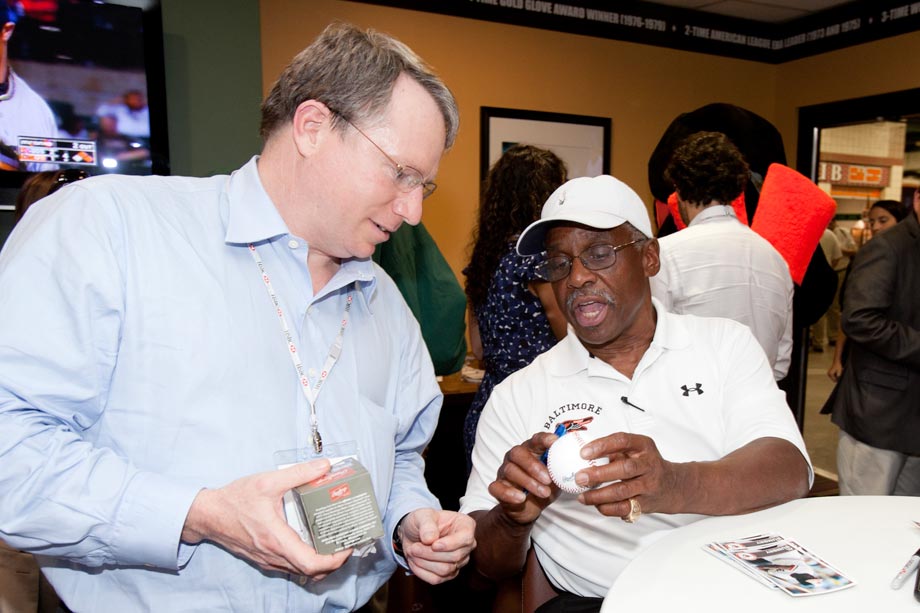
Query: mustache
x,y
600,296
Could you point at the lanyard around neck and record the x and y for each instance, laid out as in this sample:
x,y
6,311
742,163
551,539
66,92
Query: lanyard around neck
x,y
334,351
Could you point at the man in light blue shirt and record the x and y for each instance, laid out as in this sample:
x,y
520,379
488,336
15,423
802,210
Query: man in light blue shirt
x,y
153,337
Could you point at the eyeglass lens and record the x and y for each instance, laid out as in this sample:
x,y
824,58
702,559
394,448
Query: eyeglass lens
x,y
406,177
596,257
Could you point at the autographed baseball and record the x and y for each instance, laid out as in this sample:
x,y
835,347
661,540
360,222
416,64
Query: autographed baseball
x,y
564,460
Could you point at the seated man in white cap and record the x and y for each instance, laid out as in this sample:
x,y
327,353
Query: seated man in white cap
x,y
685,408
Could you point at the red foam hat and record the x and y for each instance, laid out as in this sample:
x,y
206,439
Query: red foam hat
x,y
792,214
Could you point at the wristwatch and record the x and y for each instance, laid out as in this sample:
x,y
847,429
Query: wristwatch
x,y
397,538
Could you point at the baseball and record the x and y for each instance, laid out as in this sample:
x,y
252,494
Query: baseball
x,y
563,461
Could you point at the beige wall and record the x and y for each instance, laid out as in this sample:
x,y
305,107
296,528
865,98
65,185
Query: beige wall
x,y
642,88
880,67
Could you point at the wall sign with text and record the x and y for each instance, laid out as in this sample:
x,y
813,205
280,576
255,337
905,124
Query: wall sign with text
x,y
838,173
666,26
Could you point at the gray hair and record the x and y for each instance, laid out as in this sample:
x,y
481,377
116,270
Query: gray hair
x,y
634,234
352,71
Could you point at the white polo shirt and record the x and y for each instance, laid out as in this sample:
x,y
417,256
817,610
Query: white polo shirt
x,y
719,267
704,388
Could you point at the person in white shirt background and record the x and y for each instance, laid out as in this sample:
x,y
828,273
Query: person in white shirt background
x,y
833,253
847,251
717,266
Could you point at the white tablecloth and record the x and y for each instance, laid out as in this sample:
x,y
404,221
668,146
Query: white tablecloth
x,y
868,538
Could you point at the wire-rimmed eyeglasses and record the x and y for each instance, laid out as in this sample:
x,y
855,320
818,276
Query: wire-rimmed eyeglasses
x,y
595,257
406,177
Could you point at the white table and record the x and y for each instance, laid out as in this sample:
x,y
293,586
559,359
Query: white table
x,y
868,538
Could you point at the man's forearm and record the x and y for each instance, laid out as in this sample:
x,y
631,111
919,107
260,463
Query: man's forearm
x,y
502,544
763,473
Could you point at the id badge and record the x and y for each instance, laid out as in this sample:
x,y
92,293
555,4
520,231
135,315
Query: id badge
x,y
334,452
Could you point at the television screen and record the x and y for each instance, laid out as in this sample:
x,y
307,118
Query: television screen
x,y
83,88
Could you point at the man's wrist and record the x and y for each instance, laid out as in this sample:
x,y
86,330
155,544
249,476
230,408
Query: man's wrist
x,y
193,530
511,524
397,538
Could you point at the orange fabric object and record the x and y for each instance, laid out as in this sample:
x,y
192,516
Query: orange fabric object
x,y
661,212
740,210
791,214
737,204
675,211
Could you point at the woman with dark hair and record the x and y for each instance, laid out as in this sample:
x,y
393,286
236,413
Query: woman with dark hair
x,y
513,314
883,215
886,214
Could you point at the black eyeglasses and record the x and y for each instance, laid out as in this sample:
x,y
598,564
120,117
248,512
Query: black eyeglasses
x,y
68,175
596,257
406,177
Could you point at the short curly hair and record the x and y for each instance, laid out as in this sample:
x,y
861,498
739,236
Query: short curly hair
x,y
707,167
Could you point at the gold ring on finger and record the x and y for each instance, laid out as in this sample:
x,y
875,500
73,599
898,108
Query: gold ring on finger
x,y
635,510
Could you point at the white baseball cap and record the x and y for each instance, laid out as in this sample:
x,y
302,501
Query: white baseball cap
x,y
602,202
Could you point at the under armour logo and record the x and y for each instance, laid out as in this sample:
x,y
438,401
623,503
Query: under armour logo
x,y
698,388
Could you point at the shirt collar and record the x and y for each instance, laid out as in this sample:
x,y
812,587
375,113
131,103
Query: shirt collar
x,y
360,272
670,331
912,223
251,217
573,357
715,212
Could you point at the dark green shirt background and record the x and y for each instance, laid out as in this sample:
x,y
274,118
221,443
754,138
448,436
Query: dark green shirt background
x,y
413,260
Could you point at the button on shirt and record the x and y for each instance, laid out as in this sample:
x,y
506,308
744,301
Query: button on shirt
x,y
719,267
141,360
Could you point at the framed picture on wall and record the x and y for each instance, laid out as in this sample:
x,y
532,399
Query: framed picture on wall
x,y
582,141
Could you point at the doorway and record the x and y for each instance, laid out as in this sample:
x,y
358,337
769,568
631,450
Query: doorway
x,y
859,151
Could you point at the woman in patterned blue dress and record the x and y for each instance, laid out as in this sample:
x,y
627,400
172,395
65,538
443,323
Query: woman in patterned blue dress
x,y
513,314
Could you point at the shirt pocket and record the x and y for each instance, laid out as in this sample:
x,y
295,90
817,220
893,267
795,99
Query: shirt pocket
x,y
375,428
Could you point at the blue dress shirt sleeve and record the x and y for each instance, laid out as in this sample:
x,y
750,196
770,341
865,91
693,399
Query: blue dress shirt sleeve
x,y
62,305
418,405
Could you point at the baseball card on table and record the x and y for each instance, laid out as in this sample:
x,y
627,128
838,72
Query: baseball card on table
x,y
781,563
